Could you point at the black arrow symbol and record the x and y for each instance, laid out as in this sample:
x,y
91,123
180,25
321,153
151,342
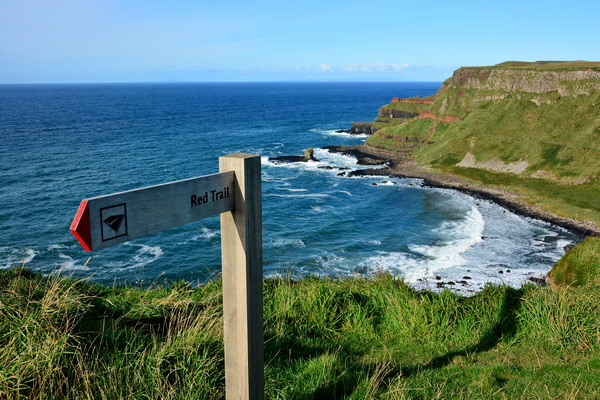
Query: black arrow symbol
x,y
115,221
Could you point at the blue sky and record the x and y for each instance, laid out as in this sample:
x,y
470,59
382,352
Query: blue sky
x,y
44,41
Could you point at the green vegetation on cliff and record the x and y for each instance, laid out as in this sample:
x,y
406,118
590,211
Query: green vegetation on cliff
x,y
532,128
580,267
324,339
545,65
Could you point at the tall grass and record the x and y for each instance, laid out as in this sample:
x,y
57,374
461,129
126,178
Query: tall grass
x,y
580,266
324,339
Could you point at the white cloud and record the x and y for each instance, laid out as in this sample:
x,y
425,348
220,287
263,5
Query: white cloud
x,y
356,68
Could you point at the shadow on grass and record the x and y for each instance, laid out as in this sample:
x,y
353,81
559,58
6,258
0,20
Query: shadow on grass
x,y
504,329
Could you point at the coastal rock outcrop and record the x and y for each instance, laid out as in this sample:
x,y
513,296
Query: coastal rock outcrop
x,y
309,155
359,128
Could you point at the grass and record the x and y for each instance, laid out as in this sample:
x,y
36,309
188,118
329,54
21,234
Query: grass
x,y
580,202
324,339
580,266
557,136
544,65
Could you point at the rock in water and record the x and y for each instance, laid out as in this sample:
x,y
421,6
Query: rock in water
x,y
309,155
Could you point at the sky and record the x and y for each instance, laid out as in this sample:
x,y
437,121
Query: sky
x,y
77,41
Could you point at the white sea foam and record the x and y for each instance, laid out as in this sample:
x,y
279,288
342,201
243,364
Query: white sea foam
x,y
206,233
297,195
16,257
426,261
334,132
57,246
30,255
70,264
340,160
461,236
279,242
320,209
333,161
144,255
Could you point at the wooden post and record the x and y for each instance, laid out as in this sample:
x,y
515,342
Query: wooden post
x,y
241,250
235,193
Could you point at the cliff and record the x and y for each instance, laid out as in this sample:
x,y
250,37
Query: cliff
x,y
530,127
532,79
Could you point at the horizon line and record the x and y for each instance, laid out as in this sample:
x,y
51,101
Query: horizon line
x,y
216,82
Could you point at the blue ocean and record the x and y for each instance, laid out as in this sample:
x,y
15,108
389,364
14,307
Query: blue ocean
x,y
63,143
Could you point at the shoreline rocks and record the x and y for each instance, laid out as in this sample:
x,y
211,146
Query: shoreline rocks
x,y
405,167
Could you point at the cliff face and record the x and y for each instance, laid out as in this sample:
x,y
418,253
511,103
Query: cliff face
x,y
391,113
566,83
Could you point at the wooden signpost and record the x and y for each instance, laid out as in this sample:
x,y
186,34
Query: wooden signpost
x,y
235,194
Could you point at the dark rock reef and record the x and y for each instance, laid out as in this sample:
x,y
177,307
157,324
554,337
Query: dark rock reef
x,y
359,128
309,155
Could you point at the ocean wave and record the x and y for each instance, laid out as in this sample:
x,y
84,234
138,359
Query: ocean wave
x,y
16,257
285,243
321,209
335,132
31,253
340,160
57,246
426,260
207,233
460,236
145,255
297,195
71,264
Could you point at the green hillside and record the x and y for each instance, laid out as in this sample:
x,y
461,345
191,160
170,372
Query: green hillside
x,y
533,128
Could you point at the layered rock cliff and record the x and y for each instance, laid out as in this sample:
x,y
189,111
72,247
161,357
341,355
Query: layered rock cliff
x,y
531,78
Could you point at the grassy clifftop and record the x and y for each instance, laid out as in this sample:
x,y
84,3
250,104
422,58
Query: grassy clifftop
x,y
324,339
533,128
545,65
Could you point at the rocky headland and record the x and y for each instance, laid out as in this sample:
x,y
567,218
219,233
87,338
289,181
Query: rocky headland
x,y
522,134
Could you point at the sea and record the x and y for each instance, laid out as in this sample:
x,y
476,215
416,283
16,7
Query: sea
x,y
61,143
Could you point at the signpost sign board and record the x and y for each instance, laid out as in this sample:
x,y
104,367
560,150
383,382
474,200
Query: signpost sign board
x,y
235,194
108,220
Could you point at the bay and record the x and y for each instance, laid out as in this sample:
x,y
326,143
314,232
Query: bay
x,y
63,143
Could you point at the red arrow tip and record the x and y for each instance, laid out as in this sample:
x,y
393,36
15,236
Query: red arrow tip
x,y
80,227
